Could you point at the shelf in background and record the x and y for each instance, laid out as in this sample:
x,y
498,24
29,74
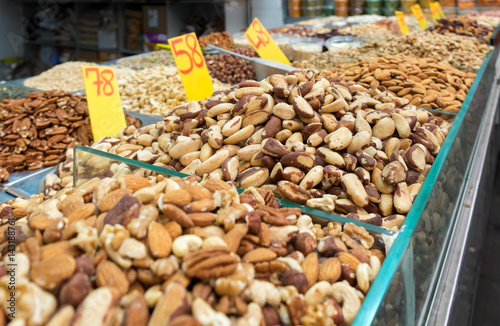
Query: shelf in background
x,y
52,43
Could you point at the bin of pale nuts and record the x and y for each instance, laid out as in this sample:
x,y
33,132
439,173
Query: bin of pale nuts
x,y
36,131
155,90
66,76
148,60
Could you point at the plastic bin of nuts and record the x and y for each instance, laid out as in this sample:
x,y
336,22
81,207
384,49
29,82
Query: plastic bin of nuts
x,y
303,48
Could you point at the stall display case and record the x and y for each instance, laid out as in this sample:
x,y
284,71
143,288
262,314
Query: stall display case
x,y
429,275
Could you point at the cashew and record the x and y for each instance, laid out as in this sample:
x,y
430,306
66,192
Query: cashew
x,y
185,244
253,317
349,297
318,292
262,293
207,316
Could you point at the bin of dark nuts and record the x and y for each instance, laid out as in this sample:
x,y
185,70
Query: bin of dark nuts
x,y
462,26
230,69
36,131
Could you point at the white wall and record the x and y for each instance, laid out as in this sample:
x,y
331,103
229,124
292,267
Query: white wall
x,y
10,29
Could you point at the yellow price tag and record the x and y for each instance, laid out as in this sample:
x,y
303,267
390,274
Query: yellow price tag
x,y
263,43
435,11
105,108
441,13
191,66
419,16
402,22
160,46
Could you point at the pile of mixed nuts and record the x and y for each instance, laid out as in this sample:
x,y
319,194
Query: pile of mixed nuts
x,y
147,251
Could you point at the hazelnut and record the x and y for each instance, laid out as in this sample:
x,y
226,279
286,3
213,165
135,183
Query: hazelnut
x,y
296,279
305,243
75,290
330,245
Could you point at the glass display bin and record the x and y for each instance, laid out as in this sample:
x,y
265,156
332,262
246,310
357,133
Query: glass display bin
x,y
417,280
428,275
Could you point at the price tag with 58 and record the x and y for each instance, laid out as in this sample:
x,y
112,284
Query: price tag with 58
x,y
436,15
191,66
105,108
264,44
419,16
402,22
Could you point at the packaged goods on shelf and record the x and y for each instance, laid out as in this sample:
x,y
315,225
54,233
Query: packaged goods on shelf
x,y
230,69
322,164
111,243
424,82
65,76
37,130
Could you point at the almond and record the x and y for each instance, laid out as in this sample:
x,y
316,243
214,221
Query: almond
x,y
51,272
108,274
330,270
40,222
176,214
110,200
71,203
135,183
159,240
58,248
137,313
82,213
258,255
310,267
179,197
213,185
198,192
203,219
348,259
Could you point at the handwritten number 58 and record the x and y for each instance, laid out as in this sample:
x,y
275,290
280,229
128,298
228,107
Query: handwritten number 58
x,y
195,57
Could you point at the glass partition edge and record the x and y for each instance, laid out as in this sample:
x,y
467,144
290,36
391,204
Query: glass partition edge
x,y
307,210
380,286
